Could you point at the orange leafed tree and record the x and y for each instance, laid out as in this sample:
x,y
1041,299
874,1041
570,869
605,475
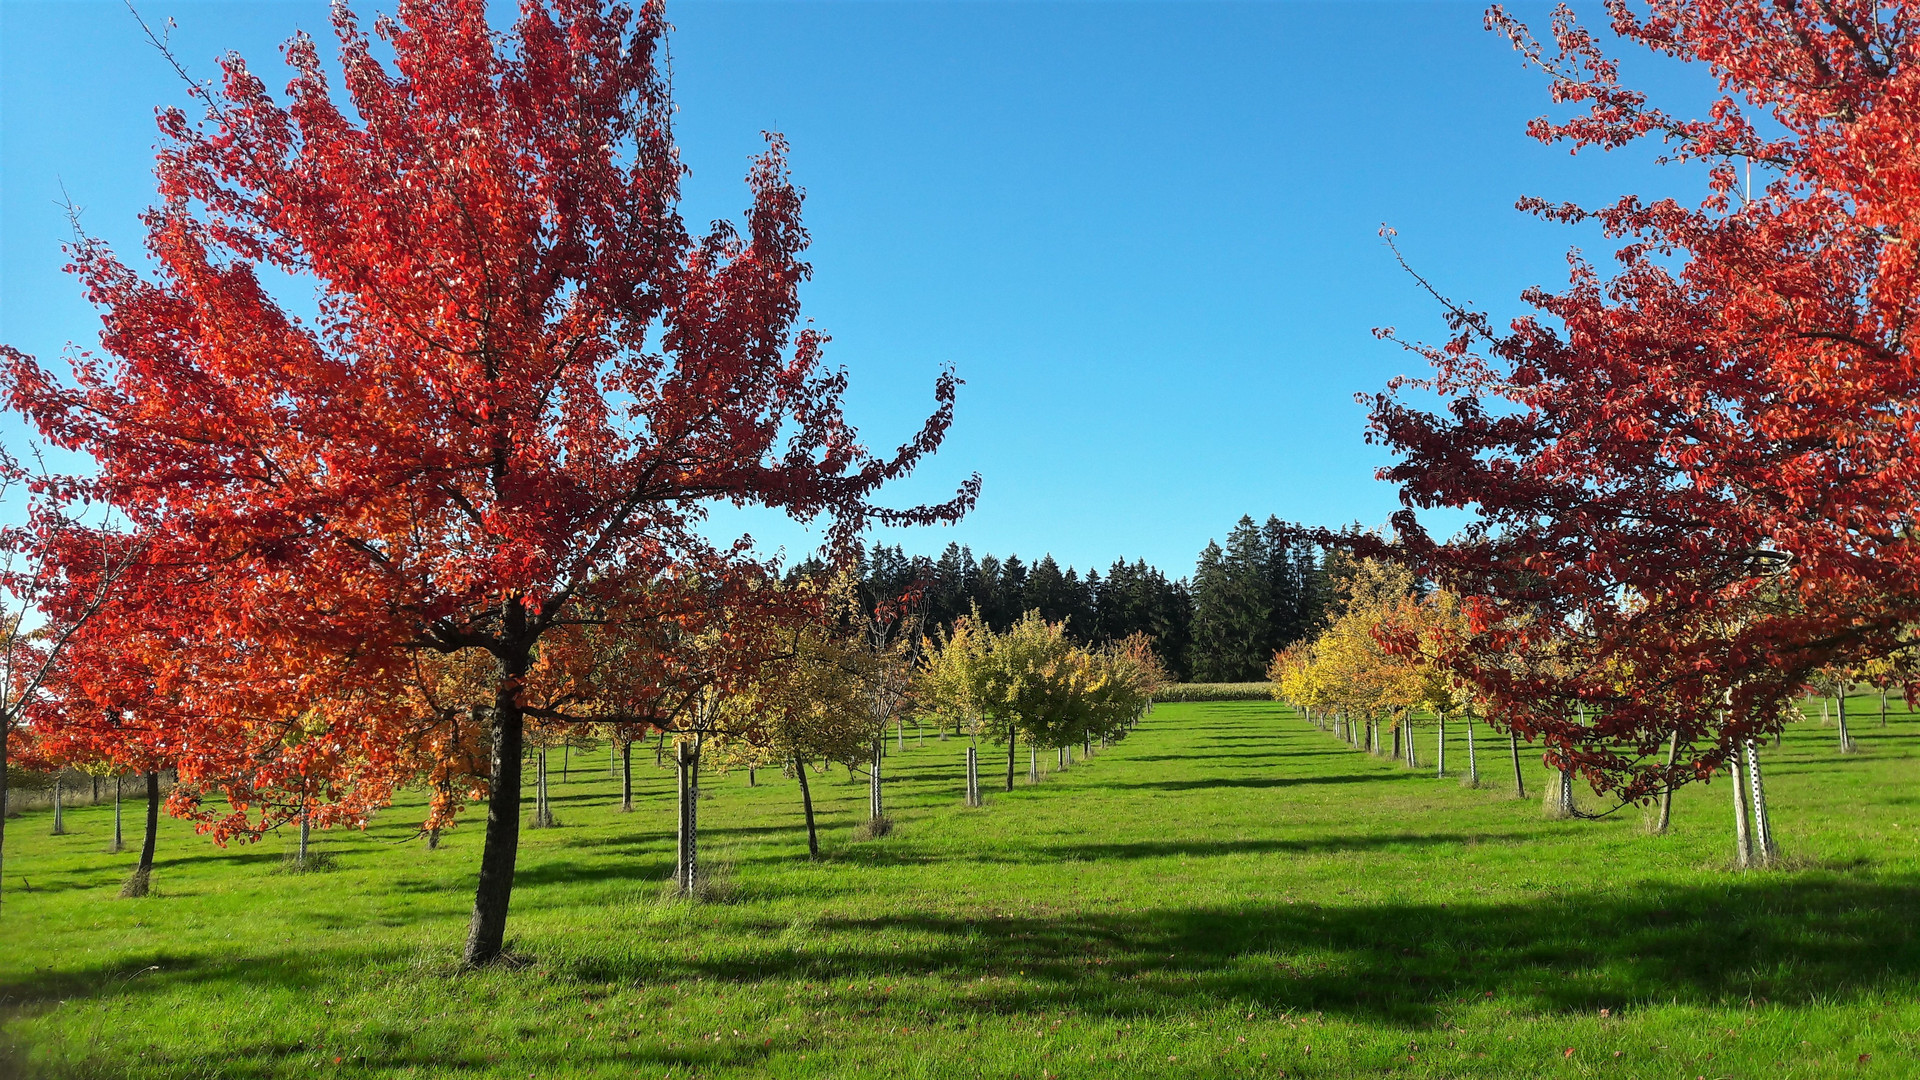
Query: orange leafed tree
x,y
1695,477
521,376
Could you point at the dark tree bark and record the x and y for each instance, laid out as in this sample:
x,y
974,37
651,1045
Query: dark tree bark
x,y
1012,735
626,777
1519,778
119,842
806,803
6,731
153,825
486,934
686,869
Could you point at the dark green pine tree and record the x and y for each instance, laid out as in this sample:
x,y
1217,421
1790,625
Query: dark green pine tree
x,y
1046,590
1233,613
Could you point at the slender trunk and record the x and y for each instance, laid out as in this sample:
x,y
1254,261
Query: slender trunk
x,y
540,788
6,733
1473,760
1742,835
686,868
660,749
1666,797
119,842
626,777
613,762
96,779
306,824
1440,747
973,776
1060,758
1883,708
806,804
1764,849
900,736
1519,778
750,782
59,819
145,869
1012,735
493,895
566,759
1846,740
433,838
874,808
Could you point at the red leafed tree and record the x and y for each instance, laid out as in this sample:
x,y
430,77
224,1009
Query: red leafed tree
x,y
520,375
1696,478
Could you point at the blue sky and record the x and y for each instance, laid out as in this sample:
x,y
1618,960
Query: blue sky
x,y
1145,234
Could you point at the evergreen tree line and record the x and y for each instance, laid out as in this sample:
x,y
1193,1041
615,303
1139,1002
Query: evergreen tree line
x,y
1261,592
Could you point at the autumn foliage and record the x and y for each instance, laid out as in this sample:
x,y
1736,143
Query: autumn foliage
x,y
1695,477
496,425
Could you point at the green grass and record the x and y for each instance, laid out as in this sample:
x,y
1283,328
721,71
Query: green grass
x,y
1229,892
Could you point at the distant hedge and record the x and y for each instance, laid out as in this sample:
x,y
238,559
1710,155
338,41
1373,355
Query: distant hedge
x,y
1216,691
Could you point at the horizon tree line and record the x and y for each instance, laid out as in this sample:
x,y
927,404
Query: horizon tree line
x,y
1260,592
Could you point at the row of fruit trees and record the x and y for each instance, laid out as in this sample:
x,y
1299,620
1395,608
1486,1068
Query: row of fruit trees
x,y
312,552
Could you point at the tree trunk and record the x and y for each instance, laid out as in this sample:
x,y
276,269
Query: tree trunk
x,y
626,777
806,804
1440,746
1012,734
96,779
1883,708
142,879
1060,761
566,759
493,895
305,824
1473,762
900,734
686,864
750,782
1742,836
59,818
875,810
1846,740
1764,849
1666,797
660,749
119,842
6,732
1519,778
973,776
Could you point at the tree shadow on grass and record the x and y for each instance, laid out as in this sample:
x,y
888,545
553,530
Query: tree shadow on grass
x,y
1792,940
1787,940
1268,781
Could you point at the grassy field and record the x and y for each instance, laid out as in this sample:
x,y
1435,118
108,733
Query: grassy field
x,y
1229,892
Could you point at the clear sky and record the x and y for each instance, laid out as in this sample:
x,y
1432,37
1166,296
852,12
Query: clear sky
x,y
1145,234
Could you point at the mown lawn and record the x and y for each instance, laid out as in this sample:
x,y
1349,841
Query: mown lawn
x,y
1229,892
